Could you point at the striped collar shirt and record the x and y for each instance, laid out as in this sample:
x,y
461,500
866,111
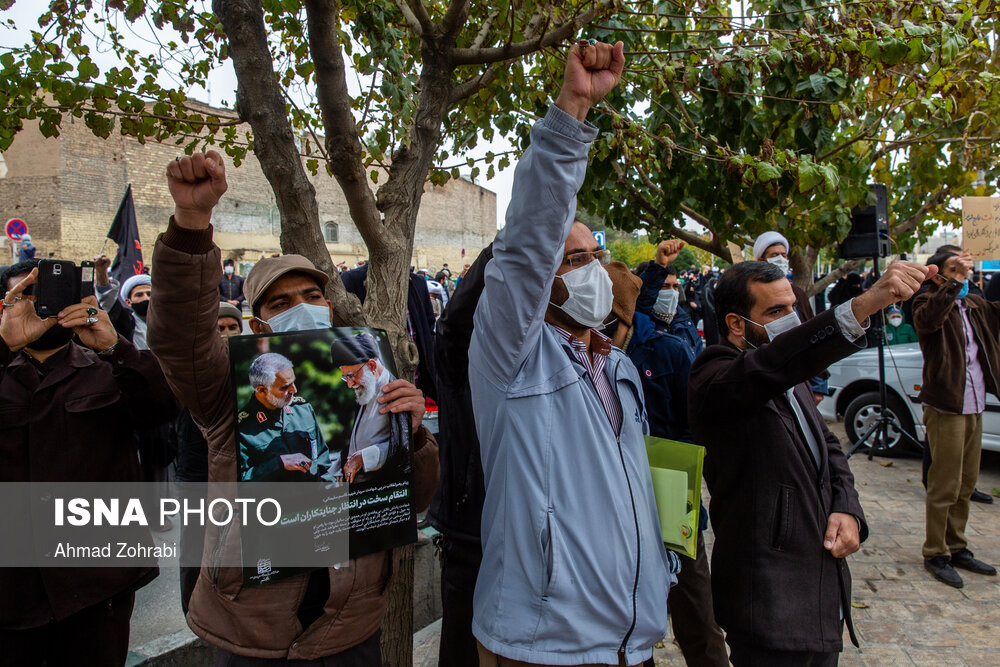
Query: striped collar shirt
x,y
595,368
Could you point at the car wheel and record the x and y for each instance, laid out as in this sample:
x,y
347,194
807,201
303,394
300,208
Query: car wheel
x,y
862,412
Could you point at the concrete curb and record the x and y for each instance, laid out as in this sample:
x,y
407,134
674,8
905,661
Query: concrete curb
x,y
180,649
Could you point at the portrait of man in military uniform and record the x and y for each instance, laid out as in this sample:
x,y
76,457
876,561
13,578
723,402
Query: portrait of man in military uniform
x,y
279,437
378,439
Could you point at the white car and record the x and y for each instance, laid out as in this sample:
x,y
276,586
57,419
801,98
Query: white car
x,y
855,397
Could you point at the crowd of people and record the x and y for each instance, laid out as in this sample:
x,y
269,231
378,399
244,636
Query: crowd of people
x,y
549,363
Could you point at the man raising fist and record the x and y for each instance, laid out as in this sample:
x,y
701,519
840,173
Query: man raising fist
x,y
328,616
784,508
574,571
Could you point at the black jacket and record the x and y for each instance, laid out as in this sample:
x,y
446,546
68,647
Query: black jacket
x,y
418,305
231,289
458,504
774,584
75,423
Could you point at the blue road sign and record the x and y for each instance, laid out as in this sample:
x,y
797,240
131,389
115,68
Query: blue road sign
x,y
600,238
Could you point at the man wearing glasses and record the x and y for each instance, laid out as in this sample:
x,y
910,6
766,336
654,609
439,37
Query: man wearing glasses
x,y
371,445
574,571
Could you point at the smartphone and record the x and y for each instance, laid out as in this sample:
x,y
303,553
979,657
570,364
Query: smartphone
x,y
61,283
86,272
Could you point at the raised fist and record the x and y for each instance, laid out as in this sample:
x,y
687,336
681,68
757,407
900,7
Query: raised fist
x,y
196,183
668,250
592,71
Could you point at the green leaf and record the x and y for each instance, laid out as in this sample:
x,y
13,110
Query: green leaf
x,y
810,175
767,172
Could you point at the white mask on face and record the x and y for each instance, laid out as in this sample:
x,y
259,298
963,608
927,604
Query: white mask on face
x,y
780,262
895,321
780,325
666,304
590,296
229,270
303,317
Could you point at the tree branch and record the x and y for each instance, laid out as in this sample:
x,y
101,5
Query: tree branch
x,y
484,31
483,56
473,86
409,17
832,277
455,17
656,218
427,26
343,144
933,202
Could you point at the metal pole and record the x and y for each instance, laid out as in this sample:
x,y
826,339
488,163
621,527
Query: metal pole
x,y
882,434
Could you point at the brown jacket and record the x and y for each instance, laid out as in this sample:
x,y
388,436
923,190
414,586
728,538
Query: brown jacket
x,y
75,424
938,322
259,622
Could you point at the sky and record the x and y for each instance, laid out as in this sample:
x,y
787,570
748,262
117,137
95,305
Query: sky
x,y
220,90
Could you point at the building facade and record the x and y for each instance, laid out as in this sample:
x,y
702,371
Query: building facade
x,y
68,188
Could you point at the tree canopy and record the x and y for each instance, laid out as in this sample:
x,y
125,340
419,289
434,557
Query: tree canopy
x,y
780,119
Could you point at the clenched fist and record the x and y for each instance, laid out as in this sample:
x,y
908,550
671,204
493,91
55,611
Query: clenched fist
x,y
196,183
592,71
668,250
900,281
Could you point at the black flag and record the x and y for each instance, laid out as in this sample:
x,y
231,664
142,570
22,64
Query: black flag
x,y
125,232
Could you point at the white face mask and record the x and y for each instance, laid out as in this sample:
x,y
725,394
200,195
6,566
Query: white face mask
x,y
895,321
666,304
780,325
302,317
780,262
590,296
229,270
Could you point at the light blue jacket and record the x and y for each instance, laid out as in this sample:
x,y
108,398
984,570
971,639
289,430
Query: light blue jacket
x,y
574,570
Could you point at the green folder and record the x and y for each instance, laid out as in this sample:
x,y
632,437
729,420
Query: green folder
x,y
676,470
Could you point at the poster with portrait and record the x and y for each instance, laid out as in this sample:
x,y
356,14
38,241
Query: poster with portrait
x,y
310,430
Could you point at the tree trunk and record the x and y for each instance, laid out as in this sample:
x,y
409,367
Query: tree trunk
x,y
259,102
397,624
802,264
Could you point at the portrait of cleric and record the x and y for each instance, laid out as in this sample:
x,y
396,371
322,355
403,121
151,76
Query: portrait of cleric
x,y
280,438
378,445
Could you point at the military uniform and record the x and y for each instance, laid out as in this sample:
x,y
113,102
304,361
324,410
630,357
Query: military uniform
x,y
266,433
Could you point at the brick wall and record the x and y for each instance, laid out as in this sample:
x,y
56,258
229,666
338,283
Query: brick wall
x,y
68,188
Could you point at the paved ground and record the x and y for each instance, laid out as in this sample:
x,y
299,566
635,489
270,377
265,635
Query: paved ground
x,y
904,617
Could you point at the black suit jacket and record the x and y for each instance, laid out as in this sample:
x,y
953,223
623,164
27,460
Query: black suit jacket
x,y
418,304
773,582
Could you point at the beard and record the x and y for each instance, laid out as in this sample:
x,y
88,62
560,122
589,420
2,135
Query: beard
x,y
367,386
52,339
276,403
756,336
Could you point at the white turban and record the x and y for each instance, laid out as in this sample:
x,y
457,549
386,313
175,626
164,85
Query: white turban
x,y
765,241
132,283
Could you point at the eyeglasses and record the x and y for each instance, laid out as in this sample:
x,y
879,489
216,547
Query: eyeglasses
x,y
578,259
353,377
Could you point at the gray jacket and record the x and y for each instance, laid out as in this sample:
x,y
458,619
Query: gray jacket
x,y
574,570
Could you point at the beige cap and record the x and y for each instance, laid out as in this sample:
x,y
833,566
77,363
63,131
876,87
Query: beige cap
x,y
227,309
266,271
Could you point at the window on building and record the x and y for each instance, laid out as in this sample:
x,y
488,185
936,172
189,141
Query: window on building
x,y
330,231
